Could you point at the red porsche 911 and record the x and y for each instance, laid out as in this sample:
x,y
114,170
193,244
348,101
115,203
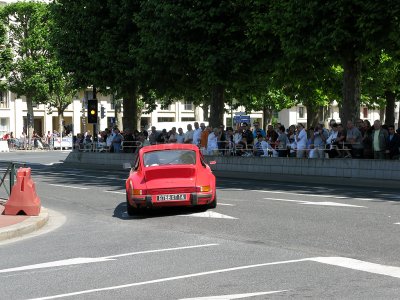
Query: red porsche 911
x,y
170,175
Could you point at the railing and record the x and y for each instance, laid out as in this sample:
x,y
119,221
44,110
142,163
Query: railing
x,y
11,172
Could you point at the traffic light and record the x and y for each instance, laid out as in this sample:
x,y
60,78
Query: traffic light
x,y
92,111
103,112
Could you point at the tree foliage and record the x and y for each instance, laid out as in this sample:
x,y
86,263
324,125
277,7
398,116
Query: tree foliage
x,y
25,53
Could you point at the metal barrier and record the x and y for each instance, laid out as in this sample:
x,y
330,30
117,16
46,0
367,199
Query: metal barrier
x,y
11,171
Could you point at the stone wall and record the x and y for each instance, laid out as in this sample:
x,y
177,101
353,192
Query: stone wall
x,y
328,168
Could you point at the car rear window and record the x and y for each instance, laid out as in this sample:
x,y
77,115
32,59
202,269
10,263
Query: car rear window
x,y
169,157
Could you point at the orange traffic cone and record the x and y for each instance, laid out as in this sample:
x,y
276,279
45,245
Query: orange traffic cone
x,y
23,199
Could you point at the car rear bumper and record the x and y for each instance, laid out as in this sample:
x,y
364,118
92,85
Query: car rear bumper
x,y
150,200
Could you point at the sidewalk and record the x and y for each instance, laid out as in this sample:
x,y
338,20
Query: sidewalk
x,y
16,226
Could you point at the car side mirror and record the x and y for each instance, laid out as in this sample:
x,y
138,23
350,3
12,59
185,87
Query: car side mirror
x,y
213,162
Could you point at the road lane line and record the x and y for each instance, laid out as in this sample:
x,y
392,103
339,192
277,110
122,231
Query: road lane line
x,y
301,194
165,279
87,260
68,186
323,203
359,265
115,192
226,204
160,250
58,263
235,296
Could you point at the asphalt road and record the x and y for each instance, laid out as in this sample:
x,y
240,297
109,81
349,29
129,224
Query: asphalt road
x,y
265,240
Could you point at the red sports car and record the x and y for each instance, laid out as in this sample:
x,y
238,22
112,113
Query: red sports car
x,y
170,175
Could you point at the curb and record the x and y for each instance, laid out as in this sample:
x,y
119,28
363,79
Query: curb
x,y
29,225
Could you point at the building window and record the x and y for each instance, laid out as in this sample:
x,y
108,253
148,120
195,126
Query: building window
x,y
188,105
188,119
365,112
301,112
4,126
3,100
166,119
167,108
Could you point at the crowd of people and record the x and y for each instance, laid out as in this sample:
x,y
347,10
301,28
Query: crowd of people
x,y
359,140
36,141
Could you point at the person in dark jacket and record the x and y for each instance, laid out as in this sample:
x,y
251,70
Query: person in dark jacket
x,y
393,144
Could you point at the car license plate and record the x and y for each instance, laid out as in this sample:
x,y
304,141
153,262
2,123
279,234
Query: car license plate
x,y
171,197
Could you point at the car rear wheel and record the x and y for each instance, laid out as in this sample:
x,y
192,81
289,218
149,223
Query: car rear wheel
x,y
214,203
130,209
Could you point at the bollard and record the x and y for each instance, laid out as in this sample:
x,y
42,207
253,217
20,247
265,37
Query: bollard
x,y
23,198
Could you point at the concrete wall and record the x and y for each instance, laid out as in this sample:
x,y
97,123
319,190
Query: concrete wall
x,y
266,168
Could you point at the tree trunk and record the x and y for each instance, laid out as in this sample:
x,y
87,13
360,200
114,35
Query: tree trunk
x,y
205,111
381,114
60,122
217,104
267,116
313,115
118,113
351,90
30,119
130,103
390,106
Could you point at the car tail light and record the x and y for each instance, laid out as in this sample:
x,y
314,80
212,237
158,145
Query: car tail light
x,y
205,188
138,192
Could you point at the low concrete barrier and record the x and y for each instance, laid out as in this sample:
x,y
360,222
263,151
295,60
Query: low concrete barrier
x,y
339,171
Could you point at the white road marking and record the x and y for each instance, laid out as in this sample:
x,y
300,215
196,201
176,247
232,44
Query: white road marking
x,y
161,250
209,214
87,260
68,186
54,163
226,204
325,203
230,189
115,192
302,194
165,279
235,296
59,263
396,223
359,265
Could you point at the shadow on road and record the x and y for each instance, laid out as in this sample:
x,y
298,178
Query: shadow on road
x,y
120,212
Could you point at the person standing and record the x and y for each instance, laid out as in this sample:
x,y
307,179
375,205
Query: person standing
x,y
354,139
196,134
180,137
189,135
212,143
379,140
204,136
153,136
301,141
172,136
393,144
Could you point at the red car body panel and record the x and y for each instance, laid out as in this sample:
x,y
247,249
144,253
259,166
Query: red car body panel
x,y
160,185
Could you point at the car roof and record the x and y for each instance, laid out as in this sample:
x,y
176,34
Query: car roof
x,y
160,147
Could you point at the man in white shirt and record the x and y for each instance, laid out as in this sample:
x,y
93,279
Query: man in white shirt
x,y
301,141
196,134
189,135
